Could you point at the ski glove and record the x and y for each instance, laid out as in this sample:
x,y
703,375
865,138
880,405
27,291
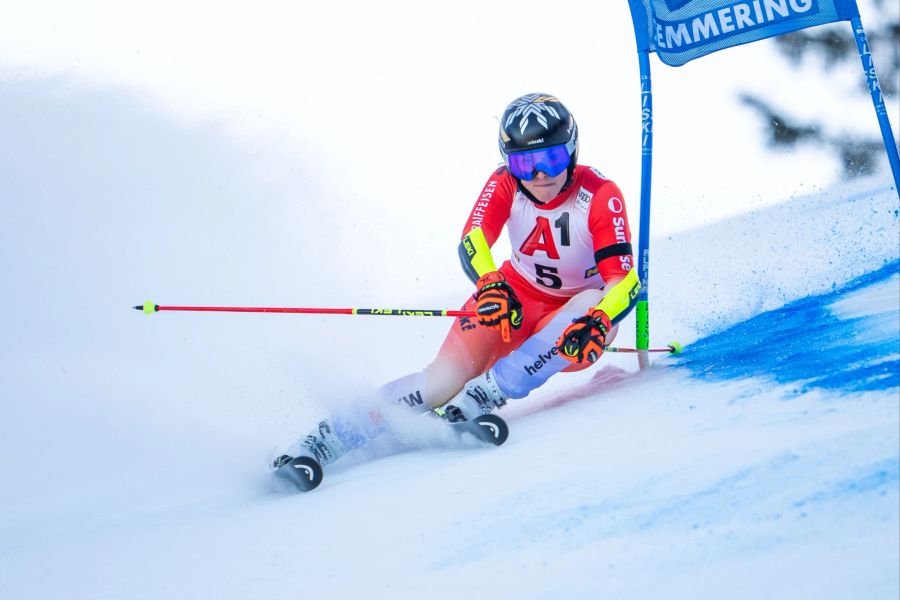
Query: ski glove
x,y
496,304
584,339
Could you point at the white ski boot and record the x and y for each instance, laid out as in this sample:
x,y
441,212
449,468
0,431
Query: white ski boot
x,y
301,463
321,444
480,396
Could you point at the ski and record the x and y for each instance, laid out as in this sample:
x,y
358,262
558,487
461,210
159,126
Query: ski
x,y
305,473
489,429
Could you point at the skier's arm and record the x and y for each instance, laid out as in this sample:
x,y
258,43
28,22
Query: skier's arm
x,y
485,222
583,341
475,255
608,223
621,297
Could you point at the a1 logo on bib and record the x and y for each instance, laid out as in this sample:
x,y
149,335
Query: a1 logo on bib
x,y
583,200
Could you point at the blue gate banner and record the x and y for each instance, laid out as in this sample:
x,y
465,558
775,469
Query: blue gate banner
x,y
681,30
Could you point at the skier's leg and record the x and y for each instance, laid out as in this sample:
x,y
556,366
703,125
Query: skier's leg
x,y
468,350
537,359
526,368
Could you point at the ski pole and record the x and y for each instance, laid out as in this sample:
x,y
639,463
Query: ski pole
x,y
672,348
149,308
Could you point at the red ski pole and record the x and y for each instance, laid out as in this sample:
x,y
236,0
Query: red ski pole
x,y
149,308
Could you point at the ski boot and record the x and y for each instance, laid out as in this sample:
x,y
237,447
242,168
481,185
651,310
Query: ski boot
x,y
302,462
480,396
470,410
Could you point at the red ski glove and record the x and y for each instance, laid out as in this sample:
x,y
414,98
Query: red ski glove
x,y
497,305
584,339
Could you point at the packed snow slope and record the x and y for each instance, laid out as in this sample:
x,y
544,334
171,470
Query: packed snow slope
x,y
762,463
326,154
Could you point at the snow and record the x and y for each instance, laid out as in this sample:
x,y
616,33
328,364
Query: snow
x,y
875,300
623,484
140,164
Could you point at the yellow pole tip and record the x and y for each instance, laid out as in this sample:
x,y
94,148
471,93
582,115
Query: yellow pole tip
x,y
676,347
149,307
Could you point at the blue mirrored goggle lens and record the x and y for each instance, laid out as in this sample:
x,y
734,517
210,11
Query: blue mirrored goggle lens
x,y
526,164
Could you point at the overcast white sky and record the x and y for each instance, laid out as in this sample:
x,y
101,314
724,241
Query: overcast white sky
x,y
398,99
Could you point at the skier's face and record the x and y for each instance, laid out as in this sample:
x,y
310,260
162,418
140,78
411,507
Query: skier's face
x,y
543,187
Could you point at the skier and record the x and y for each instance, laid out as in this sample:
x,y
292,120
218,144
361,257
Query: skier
x,y
551,307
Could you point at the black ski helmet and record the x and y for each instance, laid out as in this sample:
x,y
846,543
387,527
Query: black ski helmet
x,y
536,121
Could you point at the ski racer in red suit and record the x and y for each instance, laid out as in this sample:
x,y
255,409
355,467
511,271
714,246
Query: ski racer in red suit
x,y
552,306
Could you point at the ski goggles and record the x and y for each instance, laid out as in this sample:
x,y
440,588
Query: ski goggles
x,y
552,160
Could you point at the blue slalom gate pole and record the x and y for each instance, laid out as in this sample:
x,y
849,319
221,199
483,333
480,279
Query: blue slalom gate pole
x,y
642,311
862,44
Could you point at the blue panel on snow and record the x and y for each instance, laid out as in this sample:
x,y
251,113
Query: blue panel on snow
x,y
847,340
